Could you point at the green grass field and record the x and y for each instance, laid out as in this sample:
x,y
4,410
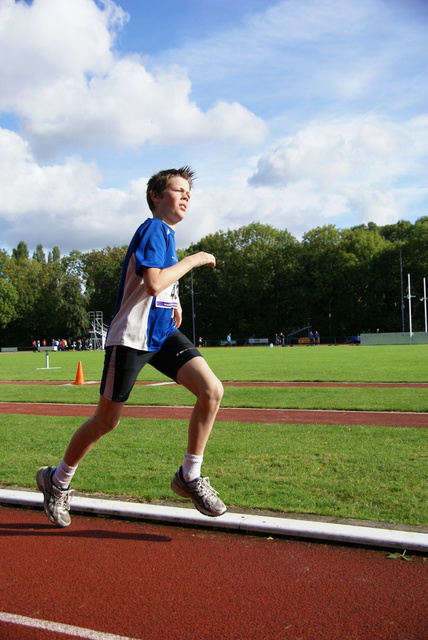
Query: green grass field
x,y
366,472
326,364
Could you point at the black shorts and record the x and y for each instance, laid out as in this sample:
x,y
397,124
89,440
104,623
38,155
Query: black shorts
x,y
123,364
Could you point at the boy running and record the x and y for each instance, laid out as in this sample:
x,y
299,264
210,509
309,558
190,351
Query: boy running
x,y
144,329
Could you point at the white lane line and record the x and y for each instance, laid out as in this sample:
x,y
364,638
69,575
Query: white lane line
x,y
159,384
76,632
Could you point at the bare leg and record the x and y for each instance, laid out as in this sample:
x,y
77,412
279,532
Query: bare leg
x,y
105,419
198,378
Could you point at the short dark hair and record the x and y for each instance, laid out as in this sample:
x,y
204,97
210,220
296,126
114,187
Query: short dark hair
x,y
160,180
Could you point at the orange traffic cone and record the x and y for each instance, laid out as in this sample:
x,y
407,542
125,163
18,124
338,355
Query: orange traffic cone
x,y
79,375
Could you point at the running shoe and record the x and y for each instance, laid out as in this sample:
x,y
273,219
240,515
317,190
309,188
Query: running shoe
x,y
200,491
56,501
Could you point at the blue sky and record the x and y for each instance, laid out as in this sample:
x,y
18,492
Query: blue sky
x,y
294,113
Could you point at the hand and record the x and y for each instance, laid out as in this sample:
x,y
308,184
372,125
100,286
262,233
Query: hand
x,y
178,316
203,258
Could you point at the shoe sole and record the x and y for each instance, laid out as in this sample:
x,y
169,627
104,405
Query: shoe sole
x,y
180,491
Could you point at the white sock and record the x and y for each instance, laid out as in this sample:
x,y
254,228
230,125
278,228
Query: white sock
x,y
63,475
191,467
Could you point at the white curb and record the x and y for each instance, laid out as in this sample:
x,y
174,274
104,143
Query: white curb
x,y
328,531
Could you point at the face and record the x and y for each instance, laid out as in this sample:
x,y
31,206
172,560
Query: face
x,y
171,207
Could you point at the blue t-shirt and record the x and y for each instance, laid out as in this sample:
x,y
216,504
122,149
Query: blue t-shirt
x,y
141,321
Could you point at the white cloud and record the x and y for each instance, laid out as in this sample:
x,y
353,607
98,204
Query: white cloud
x,y
381,141
65,204
335,153
70,91
47,41
371,167
312,154
372,205
297,208
361,171
61,204
341,87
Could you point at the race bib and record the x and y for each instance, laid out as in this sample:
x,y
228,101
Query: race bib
x,y
168,299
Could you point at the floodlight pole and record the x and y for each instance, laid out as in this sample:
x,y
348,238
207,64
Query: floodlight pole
x,y
409,298
403,328
424,300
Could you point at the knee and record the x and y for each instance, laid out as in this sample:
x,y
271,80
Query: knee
x,y
212,395
109,425
105,424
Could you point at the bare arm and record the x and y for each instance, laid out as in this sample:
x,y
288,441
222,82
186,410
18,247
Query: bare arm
x,y
178,315
157,280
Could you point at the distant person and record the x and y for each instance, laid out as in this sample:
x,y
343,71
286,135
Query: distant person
x,y
317,338
311,337
229,340
144,329
200,342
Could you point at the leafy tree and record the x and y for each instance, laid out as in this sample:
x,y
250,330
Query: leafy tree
x,y
398,232
54,255
24,274
48,302
73,308
8,300
50,321
74,264
20,254
39,254
102,271
415,263
341,282
322,282
244,294
373,278
8,293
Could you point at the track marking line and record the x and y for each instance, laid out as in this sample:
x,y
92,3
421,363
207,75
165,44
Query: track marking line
x,y
76,632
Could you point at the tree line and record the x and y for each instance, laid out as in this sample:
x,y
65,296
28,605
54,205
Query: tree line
x,y
339,282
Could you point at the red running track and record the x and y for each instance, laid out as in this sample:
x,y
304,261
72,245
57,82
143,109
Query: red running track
x,y
284,416
152,582
268,416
